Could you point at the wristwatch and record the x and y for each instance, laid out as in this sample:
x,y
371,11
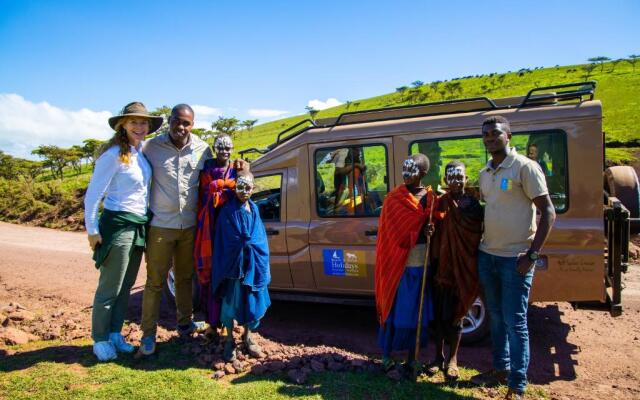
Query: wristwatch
x,y
533,255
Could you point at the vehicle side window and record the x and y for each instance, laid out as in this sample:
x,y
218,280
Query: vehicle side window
x,y
548,149
351,181
266,195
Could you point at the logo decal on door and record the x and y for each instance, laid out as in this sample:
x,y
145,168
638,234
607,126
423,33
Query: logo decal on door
x,y
339,262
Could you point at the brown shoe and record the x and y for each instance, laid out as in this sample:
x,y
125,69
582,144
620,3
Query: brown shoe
x,y
492,377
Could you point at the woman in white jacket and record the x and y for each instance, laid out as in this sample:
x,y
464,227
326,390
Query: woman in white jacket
x,y
121,177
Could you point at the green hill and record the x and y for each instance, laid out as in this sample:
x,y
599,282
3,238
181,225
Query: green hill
x,y
618,87
58,203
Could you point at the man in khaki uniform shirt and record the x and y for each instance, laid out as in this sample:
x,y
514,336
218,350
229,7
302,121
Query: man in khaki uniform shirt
x,y
512,186
176,158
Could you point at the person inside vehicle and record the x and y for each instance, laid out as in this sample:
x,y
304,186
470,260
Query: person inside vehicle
x,y
454,276
513,187
400,258
533,154
121,177
349,181
241,271
216,183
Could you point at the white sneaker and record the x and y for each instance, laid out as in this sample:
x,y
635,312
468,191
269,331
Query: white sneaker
x,y
104,351
119,344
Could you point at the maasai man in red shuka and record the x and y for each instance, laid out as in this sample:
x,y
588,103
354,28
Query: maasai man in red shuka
x,y
400,255
454,276
217,181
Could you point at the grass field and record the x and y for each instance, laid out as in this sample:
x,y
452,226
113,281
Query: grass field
x,y
57,370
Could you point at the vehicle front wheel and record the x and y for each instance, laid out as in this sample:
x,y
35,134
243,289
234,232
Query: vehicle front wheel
x,y
475,325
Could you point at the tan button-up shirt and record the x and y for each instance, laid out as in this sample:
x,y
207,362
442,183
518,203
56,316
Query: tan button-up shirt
x,y
174,187
509,214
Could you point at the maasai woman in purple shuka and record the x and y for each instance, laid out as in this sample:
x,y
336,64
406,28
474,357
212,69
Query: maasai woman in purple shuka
x,y
241,266
216,187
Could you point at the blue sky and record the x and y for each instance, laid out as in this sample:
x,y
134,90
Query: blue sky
x,y
66,65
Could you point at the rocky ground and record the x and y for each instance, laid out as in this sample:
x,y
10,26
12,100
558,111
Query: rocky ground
x,y
47,283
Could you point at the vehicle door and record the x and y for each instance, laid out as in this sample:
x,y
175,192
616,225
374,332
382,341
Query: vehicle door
x,y
270,198
351,179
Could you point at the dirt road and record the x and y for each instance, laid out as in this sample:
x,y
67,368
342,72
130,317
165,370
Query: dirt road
x,y
575,354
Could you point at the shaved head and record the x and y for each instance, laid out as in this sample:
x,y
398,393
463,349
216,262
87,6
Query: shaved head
x,y
421,161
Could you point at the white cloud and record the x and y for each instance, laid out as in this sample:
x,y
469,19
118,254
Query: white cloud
x,y
205,115
266,113
25,125
321,105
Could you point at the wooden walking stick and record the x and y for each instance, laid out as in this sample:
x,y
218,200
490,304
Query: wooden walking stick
x,y
422,288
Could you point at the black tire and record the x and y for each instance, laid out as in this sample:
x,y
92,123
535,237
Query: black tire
x,y
475,325
622,182
170,291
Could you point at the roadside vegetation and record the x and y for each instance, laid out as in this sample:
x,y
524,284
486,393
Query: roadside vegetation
x,y
49,192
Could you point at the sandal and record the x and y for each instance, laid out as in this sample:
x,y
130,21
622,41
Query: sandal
x,y
452,372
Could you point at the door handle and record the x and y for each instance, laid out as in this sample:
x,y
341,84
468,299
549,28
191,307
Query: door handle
x,y
373,232
271,232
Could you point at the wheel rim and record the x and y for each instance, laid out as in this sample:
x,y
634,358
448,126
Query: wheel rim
x,y
475,317
171,283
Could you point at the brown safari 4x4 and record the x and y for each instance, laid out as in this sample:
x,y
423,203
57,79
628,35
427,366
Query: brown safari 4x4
x,y
320,191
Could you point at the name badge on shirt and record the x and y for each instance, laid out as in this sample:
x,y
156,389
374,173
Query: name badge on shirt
x,y
506,184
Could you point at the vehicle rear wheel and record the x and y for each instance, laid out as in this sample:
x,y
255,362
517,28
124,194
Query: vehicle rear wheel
x,y
170,290
475,325
622,182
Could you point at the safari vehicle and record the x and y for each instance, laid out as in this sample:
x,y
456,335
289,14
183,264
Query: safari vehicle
x,y
321,185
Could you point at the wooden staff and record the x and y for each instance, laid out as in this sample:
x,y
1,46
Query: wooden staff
x,y
422,287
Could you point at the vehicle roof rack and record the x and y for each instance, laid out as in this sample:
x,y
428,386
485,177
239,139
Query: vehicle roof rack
x,y
575,91
587,88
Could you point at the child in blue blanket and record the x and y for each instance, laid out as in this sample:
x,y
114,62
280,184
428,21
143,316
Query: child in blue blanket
x,y
241,266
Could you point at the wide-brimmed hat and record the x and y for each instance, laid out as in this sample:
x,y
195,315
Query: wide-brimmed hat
x,y
137,109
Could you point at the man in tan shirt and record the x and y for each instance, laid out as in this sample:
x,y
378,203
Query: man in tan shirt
x,y
176,158
512,186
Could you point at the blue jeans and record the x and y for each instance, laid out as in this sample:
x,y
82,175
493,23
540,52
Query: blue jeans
x,y
507,296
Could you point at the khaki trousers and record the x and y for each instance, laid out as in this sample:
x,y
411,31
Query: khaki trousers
x,y
165,245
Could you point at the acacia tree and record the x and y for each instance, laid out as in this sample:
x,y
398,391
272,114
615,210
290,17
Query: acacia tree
x,y
600,60
417,83
90,149
633,58
228,126
588,71
248,124
74,156
54,157
614,64
312,112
